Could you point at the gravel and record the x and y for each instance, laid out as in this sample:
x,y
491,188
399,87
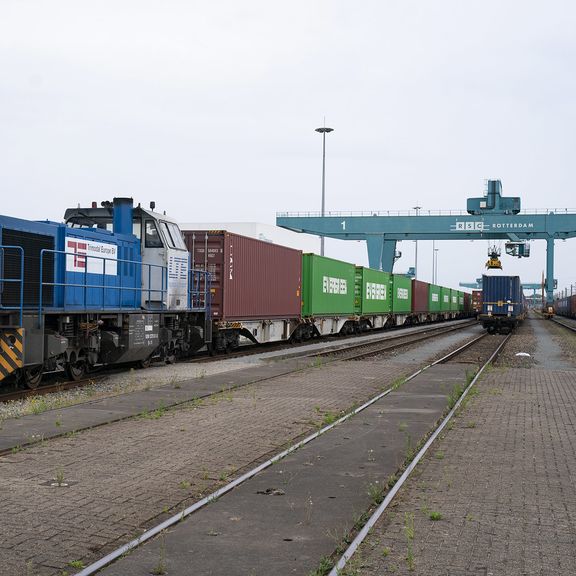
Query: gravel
x,y
108,385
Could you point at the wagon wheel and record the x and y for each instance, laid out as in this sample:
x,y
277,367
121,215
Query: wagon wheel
x,y
32,376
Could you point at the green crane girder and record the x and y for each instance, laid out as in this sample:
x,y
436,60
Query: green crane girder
x,y
381,232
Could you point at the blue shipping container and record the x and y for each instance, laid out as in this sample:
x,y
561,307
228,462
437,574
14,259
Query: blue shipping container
x,y
502,296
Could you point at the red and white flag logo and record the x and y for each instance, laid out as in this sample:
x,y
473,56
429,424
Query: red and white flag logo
x,y
79,250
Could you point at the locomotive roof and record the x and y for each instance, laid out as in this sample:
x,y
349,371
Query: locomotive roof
x,y
89,216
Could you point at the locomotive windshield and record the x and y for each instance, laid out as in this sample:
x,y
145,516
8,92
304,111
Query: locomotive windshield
x,y
157,233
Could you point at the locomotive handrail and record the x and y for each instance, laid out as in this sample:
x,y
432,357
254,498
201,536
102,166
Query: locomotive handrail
x,y
15,280
195,291
120,288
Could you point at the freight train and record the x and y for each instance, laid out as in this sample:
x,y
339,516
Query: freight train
x,y
117,283
263,292
565,306
503,305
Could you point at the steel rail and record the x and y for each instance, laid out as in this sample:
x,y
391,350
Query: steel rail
x,y
389,497
176,518
418,337
568,326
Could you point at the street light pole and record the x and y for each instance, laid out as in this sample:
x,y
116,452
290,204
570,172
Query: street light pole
x,y
324,130
417,208
436,266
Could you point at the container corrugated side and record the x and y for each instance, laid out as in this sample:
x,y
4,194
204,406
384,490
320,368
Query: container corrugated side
x,y
444,299
460,301
250,279
467,302
327,286
435,298
453,300
500,293
402,294
373,291
420,297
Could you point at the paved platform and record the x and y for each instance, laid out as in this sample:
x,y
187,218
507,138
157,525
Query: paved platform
x,y
17,433
30,429
502,479
120,478
294,513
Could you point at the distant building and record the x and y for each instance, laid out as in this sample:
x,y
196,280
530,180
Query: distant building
x,y
265,232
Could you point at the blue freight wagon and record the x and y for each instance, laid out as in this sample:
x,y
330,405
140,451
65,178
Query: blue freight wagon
x,y
502,303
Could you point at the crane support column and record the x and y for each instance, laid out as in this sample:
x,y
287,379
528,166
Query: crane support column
x,y
549,271
388,255
375,245
381,252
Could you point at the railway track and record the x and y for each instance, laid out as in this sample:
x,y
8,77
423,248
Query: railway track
x,y
166,397
570,325
393,341
481,349
478,345
369,349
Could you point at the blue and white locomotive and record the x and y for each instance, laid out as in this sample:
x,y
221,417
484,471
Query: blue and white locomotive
x,y
110,285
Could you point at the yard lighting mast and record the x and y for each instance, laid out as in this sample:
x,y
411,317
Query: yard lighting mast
x,y
324,130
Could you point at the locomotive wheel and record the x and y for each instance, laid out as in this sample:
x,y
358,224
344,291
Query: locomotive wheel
x,y
145,363
32,377
76,370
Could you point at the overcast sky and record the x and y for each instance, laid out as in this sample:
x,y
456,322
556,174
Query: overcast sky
x,y
209,108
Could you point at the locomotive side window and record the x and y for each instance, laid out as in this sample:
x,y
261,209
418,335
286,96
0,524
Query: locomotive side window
x,y
167,234
173,234
151,236
177,235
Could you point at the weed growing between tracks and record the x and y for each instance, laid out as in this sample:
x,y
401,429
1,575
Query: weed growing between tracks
x,y
155,414
409,532
160,568
376,491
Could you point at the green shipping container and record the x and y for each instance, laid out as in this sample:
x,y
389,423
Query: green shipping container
x,y
445,299
453,300
373,291
434,298
327,286
460,301
402,294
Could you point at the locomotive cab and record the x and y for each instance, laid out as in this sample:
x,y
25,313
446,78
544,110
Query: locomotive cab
x,y
111,285
165,259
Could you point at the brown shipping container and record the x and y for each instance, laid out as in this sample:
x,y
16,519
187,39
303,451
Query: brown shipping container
x,y
420,296
467,302
477,300
251,279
